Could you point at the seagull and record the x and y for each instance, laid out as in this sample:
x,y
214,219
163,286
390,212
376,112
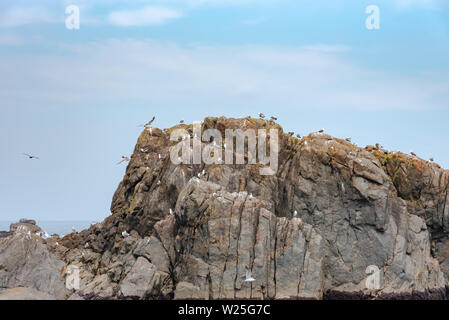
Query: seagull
x,y
171,211
348,139
30,156
215,195
295,213
412,153
273,118
124,159
321,131
291,134
298,136
125,234
144,150
378,146
250,195
431,159
73,230
158,182
86,245
261,115
181,121
148,124
248,276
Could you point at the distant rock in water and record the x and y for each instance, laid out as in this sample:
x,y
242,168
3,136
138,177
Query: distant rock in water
x,y
331,215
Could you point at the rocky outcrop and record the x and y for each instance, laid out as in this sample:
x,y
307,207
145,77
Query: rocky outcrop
x,y
331,210
331,213
25,261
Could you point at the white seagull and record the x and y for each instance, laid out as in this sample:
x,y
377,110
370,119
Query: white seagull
x,y
171,211
148,124
125,234
248,276
261,115
124,159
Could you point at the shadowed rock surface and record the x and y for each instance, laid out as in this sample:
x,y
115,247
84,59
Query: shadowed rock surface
x,y
355,207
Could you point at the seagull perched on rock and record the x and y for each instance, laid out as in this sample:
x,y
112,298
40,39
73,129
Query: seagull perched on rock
x,y
73,230
215,195
181,121
378,146
412,153
249,276
295,213
171,211
158,182
321,131
148,124
86,245
273,118
125,234
124,159
261,115
348,139
30,156
291,133
298,136
431,159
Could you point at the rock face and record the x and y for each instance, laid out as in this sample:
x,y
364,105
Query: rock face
x,y
331,213
25,261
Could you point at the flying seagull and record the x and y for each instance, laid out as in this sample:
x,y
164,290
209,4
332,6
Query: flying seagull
x,y
30,156
148,124
124,159
248,276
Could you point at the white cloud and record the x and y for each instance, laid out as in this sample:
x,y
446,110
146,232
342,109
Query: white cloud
x,y
149,15
15,16
233,77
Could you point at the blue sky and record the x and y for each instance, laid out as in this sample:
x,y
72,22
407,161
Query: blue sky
x,y
75,97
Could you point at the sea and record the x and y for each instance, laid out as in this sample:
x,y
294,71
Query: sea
x,y
61,228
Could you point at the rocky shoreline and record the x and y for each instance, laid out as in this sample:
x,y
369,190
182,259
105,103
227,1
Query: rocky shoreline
x,y
308,232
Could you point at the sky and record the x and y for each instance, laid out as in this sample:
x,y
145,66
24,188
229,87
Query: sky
x,y
74,97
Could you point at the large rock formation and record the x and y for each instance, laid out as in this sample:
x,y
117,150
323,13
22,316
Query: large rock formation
x,y
309,231
354,208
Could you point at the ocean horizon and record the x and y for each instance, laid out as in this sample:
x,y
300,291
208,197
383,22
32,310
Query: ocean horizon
x,y
60,228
